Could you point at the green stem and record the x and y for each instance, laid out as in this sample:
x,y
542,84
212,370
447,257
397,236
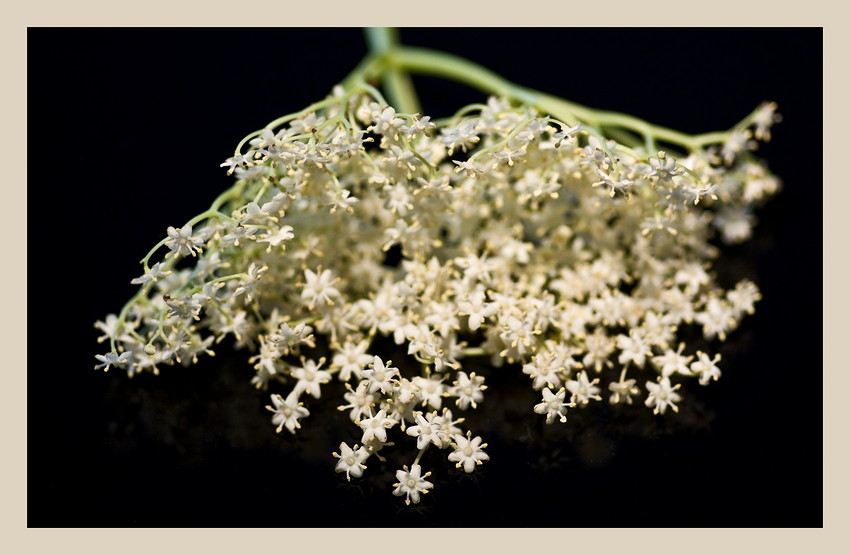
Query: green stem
x,y
421,452
429,62
398,84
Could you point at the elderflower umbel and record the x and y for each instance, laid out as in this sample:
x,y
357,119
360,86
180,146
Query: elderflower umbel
x,y
517,251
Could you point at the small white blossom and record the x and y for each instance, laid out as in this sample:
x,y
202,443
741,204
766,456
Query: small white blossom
x,y
287,412
662,395
477,309
671,362
735,224
188,307
112,359
284,233
717,318
633,348
289,340
341,199
238,236
319,288
614,182
553,405
737,143
385,122
255,273
599,348
544,370
434,185
352,359
351,460
431,390
519,335
181,241
109,327
238,160
419,125
463,137
156,272
583,390
692,275
664,169
622,391
468,452
694,194
764,119
267,359
266,139
425,432
360,400
411,483
568,134
469,390
380,376
744,297
405,392
706,368
310,377
376,426
447,427
470,168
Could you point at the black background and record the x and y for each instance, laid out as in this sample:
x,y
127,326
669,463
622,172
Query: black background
x,y
126,131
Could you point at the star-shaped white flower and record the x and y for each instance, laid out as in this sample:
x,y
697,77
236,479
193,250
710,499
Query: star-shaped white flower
x,y
319,288
553,405
614,182
468,452
380,376
287,412
662,395
583,390
411,483
351,460
622,391
310,377
706,368
376,426
426,432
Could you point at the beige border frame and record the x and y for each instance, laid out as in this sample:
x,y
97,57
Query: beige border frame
x,y
437,13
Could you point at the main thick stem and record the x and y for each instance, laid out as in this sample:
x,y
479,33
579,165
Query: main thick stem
x,y
398,84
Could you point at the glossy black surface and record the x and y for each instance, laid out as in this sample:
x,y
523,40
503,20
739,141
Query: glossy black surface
x,y
127,129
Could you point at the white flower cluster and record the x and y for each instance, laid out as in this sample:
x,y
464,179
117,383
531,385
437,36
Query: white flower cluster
x,y
523,239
